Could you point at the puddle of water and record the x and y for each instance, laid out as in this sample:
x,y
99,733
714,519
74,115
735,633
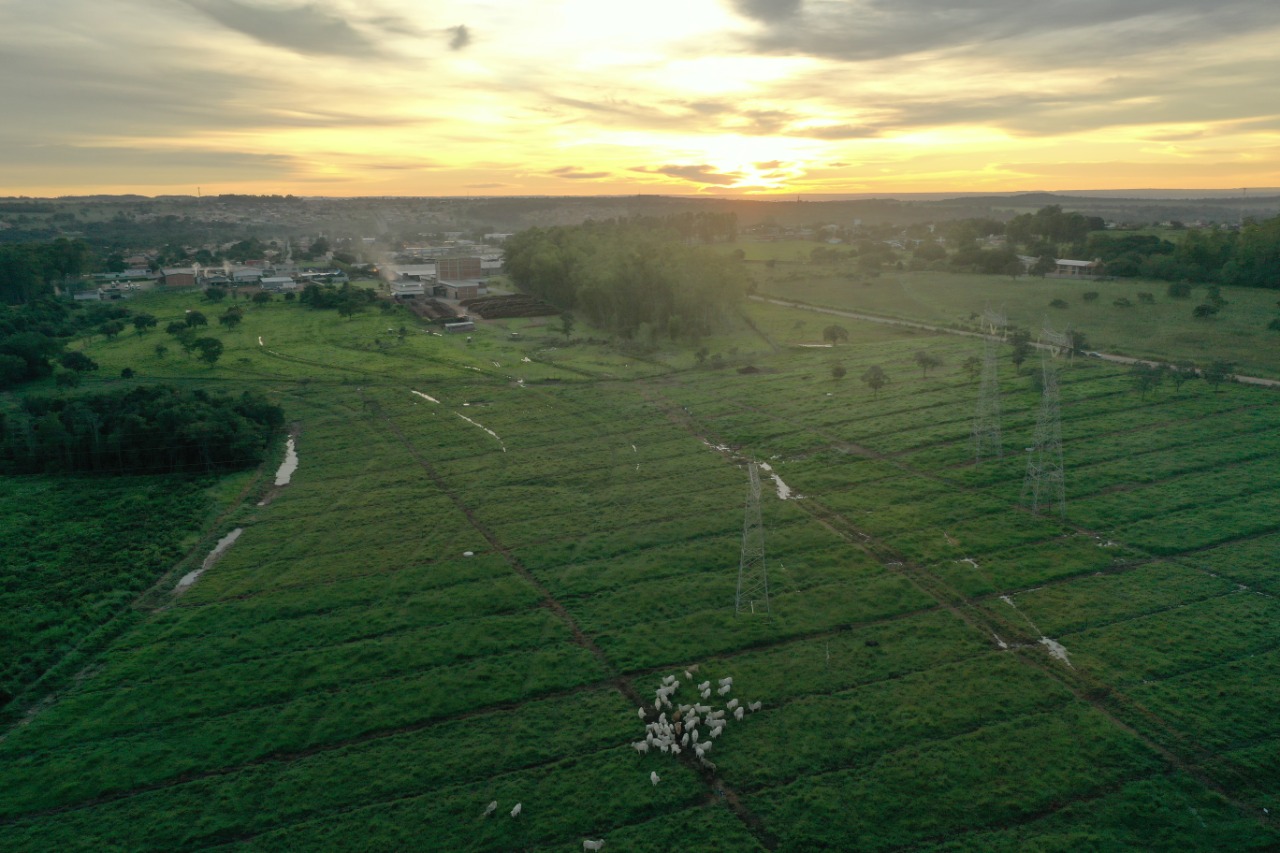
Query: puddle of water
x,y
1056,649
784,491
483,427
425,396
288,466
218,550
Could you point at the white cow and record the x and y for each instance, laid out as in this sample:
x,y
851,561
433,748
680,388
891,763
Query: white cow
x,y
588,844
491,808
515,812
654,777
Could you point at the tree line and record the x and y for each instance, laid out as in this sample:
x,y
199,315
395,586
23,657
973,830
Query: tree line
x,y
154,429
634,277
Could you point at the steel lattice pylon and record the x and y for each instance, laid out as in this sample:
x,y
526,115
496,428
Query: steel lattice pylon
x,y
1044,484
753,575
986,421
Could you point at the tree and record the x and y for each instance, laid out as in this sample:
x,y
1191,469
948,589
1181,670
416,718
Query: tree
x,y
1179,290
195,318
972,366
1078,342
176,328
111,329
1089,296
127,373
1181,372
262,297
142,322
926,360
1044,265
215,294
1058,303
66,379
231,318
210,349
1145,377
77,361
566,324
1274,325
835,334
161,350
1020,340
1147,298
1218,372
1204,311
875,378
347,308
701,355
838,371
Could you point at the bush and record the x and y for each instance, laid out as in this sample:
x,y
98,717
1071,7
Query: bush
x,y
1058,303
1090,296
1122,302
1179,290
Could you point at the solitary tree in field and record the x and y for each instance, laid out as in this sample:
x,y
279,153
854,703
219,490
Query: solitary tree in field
x,y
262,297
215,294
231,318
835,334
161,350
926,360
195,318
210,349
1044,265
1219,372
838,371
78,361
567,321
1020,339
971,366
876,379
142,322
112,329
1181,372
1145,377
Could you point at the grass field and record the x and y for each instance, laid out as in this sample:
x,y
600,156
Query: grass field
x,y
1163,330
485,563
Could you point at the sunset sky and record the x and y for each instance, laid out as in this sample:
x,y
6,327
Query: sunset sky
x,y
588,97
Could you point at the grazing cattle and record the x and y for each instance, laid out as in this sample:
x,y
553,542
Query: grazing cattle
x,y
515,812
753,706
588,844
640,713
737,713
654,777
491,808
641,747
731,704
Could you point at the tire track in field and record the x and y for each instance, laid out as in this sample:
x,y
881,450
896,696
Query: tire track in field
x,y
709,777
1103,697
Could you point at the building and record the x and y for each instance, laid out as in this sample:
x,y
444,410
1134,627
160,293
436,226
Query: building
x,y
460,326
1064,268
421,272
458,289
182,277
278,283
249,275
407,288
456,269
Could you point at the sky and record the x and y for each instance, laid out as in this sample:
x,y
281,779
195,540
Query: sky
x,y
605,97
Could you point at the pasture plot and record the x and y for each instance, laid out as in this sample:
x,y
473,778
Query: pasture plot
x,y
1048,561
1205,526
1251,562
271,795
1163,812
1002,772
1225,706
83,760
1098,600
1168,643
1172,495
861,724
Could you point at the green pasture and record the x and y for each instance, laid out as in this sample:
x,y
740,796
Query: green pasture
x,y
484,562
1163,330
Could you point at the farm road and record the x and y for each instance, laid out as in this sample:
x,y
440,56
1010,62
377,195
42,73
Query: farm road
x,y
911,324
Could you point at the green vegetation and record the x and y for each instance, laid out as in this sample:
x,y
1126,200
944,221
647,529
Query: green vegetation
x,y
493,547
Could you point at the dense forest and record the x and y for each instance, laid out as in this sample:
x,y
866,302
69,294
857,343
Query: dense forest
x,y
637,277
145,430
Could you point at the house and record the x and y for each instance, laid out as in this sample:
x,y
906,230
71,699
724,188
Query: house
x,y
93,295
1065,268
248,275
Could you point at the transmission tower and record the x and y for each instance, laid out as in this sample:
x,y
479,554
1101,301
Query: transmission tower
x,y
986,421
753,577
1044,483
